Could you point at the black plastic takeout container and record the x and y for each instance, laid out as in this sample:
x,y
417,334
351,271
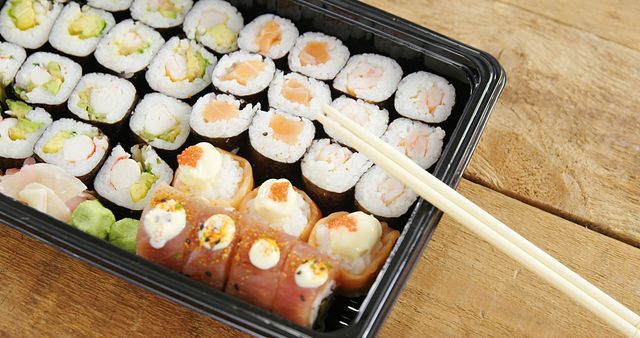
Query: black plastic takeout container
x,y
478,79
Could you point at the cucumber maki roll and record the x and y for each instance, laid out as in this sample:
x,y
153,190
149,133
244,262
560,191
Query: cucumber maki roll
x,y
161,121
28,22
79,29
20,131
215,24
11,58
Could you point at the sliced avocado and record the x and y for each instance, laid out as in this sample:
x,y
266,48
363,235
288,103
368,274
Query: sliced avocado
x,y
54,69
23,14
19,109
85,104
223,35
138,190
87,26
168,9
55,143
22,92
23,129
169,136
53,85
196,64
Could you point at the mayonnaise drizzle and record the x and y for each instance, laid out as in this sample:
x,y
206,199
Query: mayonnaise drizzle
x,y
264,253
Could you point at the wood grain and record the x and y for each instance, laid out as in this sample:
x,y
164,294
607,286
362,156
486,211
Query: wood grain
x,y
461,287
564,135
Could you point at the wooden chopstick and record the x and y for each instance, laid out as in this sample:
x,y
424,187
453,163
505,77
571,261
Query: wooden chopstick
x,y
482,223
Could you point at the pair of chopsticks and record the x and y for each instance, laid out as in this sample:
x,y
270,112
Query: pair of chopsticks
x,y
482,223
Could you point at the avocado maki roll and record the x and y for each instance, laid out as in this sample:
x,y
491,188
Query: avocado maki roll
x,y
269,35
298,95
370,77
20,131
318,55
215,24
160,14
11,58
79,29
161,121
243,74
27,23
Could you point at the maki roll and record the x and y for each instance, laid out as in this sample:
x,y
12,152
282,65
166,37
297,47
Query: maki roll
x,y
318,55
222,120
243,74
161,121
160,14
359,242
181,69
277,142
369,116
269,35
420,142
370,77
298,95
79,29
330,173
426,97
110,5
11,58
215,24
382,195
129,179
128,48
27,23
20,131
77,147
47,78
281,206
220,177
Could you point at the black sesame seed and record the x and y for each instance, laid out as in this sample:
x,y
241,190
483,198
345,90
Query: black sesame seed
x,y
235,286
201,226
188,241
217,242
208,273
206,240
302,298
298,272
265,134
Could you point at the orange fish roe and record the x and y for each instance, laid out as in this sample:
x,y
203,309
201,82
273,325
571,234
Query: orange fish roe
x,y
279,191
344,221
190,156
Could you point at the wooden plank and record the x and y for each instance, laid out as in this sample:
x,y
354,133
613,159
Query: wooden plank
x,y
564,135
461,287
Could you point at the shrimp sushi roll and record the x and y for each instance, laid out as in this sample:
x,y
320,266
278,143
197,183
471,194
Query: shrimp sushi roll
x,y
215,24
426,97
128,48
277,142
281,206
359,242
330,173
269,35
110,5
306,285
420,142
161,121
243,74
77,147
222,120
79,29
382,195
20,131
318,55
218,176
27,23
372,117
12,57
128,179
370,77
298,95
160,14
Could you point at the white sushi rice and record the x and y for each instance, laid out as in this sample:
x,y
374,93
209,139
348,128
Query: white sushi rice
x,y
355,265
248,39
256,85
263,141
112,51
151,12
67,156
61,38
215,24
33,36
318,91
372,117
224,127
111,5
22,148
294,224
157,114
11,58
171,61
370,77
33,76
333,167
383,195
110,98
420,142
426,97
338,56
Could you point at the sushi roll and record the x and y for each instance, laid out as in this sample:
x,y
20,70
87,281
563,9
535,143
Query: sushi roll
x,y
160,14
110,5
269,35
330,173
306,285
370,77
77,147
220,177
222,120
318,56
20,131
27,23
102,98
243,74
426,97
420,142
79,29
47,79
182,68
128,48
128,180
298,95
161,121
359,242
215,24
281,206
277,141
369,116
12,57
382,195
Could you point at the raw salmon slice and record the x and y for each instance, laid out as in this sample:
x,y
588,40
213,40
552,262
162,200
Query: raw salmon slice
x,y
314,53
296,91
243,72
286,130
219,110
269,36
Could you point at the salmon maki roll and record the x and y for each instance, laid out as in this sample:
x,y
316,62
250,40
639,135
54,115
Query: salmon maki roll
x,y
306,285
318,55
243,74
298,95
268,35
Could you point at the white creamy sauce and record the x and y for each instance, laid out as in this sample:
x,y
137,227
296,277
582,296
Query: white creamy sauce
x,y
311,274
274,211
264,254
207,168
356,242
164,222
217,232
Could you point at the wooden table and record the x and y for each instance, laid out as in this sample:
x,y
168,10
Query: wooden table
x,y
559,162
